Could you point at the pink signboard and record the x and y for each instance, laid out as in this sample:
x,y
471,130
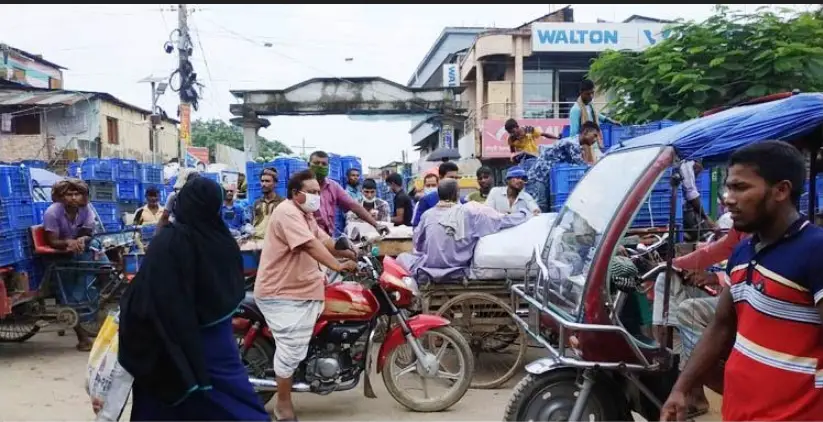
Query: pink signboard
x,y
494,139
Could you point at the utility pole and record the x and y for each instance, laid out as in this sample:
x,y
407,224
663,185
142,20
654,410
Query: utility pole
x,y
303,148
183,49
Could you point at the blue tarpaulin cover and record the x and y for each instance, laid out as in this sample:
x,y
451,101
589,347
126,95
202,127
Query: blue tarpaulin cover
x,y
715,137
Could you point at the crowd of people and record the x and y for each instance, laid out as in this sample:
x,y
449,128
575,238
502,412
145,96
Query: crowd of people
x,y
175,330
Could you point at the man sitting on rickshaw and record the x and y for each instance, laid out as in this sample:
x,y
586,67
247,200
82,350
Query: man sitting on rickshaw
x,y
445,238
69,224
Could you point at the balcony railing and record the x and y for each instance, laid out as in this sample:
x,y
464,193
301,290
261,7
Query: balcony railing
x,y
531,110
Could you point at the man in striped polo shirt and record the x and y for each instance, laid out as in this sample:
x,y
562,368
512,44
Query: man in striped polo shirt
x,y
768,319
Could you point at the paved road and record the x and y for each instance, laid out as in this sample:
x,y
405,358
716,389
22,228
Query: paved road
x,y
43,379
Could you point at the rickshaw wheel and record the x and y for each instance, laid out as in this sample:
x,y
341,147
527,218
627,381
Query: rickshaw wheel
x,y
489,326
15,328
551,397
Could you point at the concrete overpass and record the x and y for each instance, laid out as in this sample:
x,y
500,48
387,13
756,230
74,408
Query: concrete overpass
x,y
365,96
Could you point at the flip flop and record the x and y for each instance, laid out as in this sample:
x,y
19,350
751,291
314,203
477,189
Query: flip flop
x,y
693,412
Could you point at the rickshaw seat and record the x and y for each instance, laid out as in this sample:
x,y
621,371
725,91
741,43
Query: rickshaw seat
x,y
41,244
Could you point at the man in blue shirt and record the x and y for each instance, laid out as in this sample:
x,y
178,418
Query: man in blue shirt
x,y
232,213
447,170
583,111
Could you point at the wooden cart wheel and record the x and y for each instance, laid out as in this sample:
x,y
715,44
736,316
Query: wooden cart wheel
x,y
497,341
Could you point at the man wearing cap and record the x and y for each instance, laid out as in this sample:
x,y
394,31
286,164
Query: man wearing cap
x,y
512,198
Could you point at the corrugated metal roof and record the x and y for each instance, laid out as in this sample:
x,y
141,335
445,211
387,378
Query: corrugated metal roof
x,y
43,98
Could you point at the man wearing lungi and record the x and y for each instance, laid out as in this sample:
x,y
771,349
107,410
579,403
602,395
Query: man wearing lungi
x,y
290,285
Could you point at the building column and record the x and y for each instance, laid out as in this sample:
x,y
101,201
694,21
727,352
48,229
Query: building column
x,y
479,101
518,77
251,125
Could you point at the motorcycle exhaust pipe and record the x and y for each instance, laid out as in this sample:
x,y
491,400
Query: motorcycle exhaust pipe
x,y
262,384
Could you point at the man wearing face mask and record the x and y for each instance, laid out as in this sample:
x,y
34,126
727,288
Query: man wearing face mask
x,y
378,208
332,196
290,286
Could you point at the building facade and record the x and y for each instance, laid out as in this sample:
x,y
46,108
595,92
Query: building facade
x,y
533,72
48,124
439,69
29,70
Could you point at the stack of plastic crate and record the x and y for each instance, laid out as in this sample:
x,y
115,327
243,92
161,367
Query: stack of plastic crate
x,y
16,215
151,175
101,175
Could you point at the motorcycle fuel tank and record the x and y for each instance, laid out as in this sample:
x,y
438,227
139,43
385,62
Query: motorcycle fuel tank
x,y
349,301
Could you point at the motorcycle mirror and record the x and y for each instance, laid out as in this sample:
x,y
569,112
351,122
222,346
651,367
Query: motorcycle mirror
x,y
342,244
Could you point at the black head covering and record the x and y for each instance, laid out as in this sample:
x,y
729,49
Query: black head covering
x,y
191,277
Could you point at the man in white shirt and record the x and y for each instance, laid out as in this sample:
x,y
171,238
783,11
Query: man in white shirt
x,y
512,198
694,215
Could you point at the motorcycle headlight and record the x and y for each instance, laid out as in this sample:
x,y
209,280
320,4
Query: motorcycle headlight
x,y
412,285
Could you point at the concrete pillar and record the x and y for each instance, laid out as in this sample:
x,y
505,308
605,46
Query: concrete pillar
x,y
251,125
479,102
518,77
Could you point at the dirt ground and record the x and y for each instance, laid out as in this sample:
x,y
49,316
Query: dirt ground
x,y
43,379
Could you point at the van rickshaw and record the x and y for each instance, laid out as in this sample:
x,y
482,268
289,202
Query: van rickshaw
x,y
597,369
49,304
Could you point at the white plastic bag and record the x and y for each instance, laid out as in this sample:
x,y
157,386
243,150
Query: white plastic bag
x,y
106,380
507,252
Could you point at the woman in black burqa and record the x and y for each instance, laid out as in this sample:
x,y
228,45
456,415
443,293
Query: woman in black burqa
x,y
175,321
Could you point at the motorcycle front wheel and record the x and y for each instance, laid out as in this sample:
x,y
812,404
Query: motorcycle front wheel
x,y
551,397
455,372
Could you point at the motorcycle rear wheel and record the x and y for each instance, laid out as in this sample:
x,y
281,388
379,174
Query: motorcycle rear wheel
x,y
264,353
458,390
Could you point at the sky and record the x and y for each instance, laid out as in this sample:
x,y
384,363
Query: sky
x,y
111,47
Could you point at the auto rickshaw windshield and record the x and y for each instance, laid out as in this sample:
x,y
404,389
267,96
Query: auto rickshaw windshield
x,y
577,232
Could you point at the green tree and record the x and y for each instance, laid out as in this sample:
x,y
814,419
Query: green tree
x,y
208,133
727,58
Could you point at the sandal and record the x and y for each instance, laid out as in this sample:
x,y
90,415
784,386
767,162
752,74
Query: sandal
x,y
84,347
693,412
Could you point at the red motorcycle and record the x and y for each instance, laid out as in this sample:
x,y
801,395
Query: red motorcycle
x,y
378,306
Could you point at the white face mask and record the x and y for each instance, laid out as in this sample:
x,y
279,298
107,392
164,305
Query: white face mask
x,y
312,203
368,200
427,191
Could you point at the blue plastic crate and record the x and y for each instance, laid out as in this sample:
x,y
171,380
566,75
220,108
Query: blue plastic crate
x,y
96,169
128,190
151,174
125,169
39,209
40,164
293,165
15,246
563,178
147,232
113,227
211,176
131,263
33,269
107,212
160,188
74,170
251,260
16,214
15,182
